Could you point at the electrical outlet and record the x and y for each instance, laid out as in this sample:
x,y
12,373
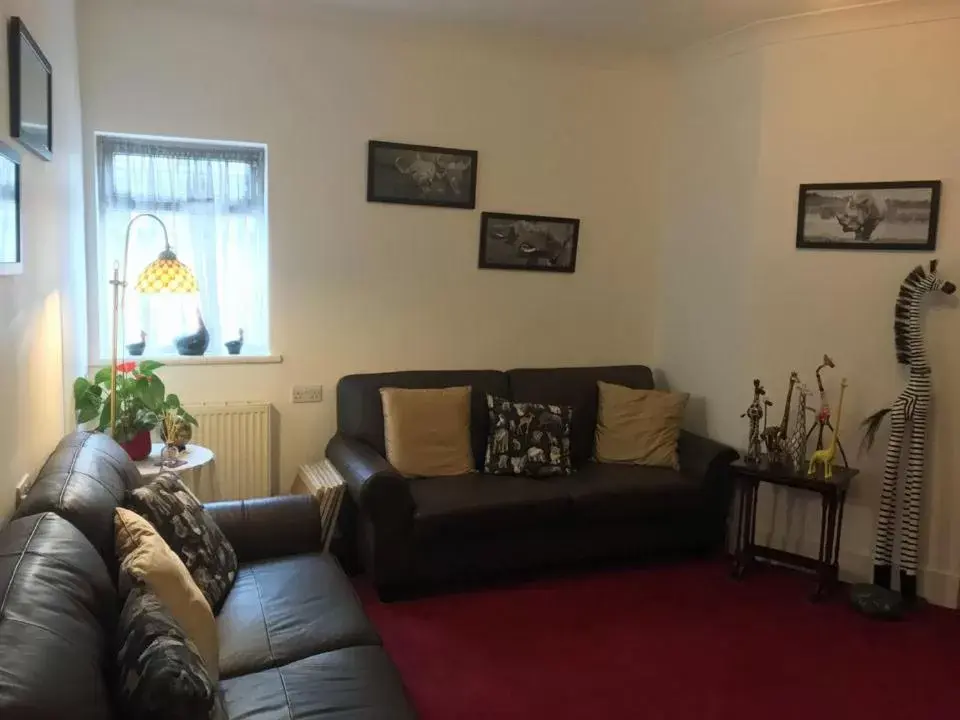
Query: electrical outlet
x,y
307,393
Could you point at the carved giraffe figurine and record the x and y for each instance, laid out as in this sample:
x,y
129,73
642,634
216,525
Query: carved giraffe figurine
x,y
776,437
798,440
755,413
826,457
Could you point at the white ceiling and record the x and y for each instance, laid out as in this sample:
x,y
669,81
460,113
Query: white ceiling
x,y
653,23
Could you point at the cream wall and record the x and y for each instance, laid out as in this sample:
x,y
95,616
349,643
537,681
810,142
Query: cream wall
x,y
842,97
42,320
357,287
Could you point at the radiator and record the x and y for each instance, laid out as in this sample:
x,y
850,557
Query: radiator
x,y
240,436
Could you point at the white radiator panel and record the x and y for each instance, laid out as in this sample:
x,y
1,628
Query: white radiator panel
x,y
240,436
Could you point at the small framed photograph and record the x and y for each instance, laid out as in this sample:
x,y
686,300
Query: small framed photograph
x,y
869,216
11,248
528,242
31,91
421,175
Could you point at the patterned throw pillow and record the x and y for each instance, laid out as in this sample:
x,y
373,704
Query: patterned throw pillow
x,y
161,672
528,439
190,532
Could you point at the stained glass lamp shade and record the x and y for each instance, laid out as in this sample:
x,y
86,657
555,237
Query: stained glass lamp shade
x,y
166,274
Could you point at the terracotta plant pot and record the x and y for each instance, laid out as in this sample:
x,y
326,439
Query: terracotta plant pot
x,y
139,447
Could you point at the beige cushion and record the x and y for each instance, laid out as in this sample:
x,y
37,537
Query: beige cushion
x,y
147,558
640,427
427,432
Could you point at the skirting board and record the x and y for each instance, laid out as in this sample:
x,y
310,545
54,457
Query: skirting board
x,y
940,587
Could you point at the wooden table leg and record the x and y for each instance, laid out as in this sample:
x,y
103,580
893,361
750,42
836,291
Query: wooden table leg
x,y
740,539
828,526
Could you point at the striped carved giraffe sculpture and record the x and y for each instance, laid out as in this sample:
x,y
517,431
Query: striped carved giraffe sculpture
x,y
908,424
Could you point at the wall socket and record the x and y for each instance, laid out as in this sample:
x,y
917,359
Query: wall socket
x,y
307,393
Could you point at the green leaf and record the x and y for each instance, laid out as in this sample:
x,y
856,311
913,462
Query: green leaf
x,y
189,418
105,415
156,392
80,387
86,414
147,367
102,377
173,401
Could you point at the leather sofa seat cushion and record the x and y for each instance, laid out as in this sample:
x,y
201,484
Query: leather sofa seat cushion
x,y
486,503
632,491
59,610
84,481
287,609
360,409
576,387
357,683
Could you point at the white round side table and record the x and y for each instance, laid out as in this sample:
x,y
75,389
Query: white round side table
x,y
194,459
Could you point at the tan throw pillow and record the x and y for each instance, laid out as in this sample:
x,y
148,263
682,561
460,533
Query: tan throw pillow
x,y
147,558
427,432
640,427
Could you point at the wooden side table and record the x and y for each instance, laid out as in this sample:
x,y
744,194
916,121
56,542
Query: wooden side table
x,y
833,495
328,488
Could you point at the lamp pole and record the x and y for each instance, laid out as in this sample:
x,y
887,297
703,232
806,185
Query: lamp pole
x,y
119,299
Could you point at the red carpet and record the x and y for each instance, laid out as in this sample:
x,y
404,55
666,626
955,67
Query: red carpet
x,y
674,642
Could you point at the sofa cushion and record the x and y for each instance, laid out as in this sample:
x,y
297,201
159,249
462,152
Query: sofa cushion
x,y
161,672
190,532
84,480
360,410
632,491
57,613
486,503
147,559
427,431
358,683
286,609
528,439
640,427
576,387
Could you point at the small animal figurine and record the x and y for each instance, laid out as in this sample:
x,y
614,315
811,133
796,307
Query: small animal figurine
x,y
797,447
823,414
776,437
826,457
197,343
136,349
755,414
234,346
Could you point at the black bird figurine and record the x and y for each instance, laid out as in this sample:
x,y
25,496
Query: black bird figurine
x,y
197,343
136,349
234,346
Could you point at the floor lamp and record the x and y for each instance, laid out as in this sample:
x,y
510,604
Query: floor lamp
x,y
166,274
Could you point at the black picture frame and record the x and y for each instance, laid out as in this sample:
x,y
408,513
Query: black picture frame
x,y
504,236
900,215
10,263
26,98
443,182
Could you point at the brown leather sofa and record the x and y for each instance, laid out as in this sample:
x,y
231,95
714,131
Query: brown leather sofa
x,y
294,640
413,533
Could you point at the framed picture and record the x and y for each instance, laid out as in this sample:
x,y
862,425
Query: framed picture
x,y
31,91
11,249
528,242
421,175
869,216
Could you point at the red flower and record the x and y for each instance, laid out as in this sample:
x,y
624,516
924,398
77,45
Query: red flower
x,y
126,367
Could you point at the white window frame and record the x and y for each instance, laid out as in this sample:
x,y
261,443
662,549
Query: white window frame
x,y
100,316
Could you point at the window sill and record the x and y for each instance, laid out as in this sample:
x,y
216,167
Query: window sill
x,y
203,360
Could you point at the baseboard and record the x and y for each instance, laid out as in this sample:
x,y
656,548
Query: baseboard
x,y
939,587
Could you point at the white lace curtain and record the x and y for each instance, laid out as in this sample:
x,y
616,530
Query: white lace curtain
x,y
212,200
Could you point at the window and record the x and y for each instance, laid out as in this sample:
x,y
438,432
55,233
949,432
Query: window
x,y
212,199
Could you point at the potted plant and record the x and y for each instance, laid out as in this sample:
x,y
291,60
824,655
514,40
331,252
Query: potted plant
x,y
141,402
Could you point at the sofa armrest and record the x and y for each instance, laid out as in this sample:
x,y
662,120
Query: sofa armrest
x,y
703,458
375,486
270,527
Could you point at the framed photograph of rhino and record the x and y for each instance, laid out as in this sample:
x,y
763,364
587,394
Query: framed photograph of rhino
x,y
528,242
421,175
869,216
